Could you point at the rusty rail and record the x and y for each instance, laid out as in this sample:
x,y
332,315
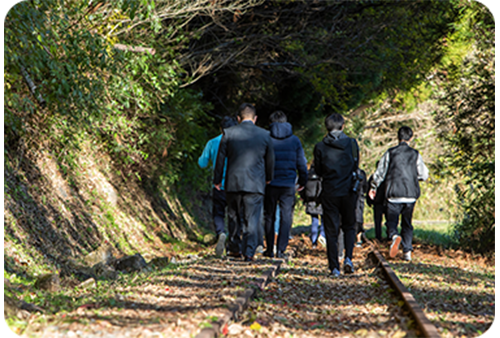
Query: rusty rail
x,y
426,327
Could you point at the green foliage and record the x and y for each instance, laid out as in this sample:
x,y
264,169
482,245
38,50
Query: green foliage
x,y
310,59
127,103
466,123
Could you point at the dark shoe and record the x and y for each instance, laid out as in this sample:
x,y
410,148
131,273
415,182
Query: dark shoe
x,y
248,259
281,255
269,254
234,254
348,267
407,256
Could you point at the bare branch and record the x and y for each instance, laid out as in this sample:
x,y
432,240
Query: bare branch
x,y
135,49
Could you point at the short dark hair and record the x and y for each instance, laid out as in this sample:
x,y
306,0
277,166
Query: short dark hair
x,y
405,133
334,122
228,121
247,110
277,116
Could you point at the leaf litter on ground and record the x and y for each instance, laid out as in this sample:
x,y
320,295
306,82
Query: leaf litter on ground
x,y
304,301
455,289
175,301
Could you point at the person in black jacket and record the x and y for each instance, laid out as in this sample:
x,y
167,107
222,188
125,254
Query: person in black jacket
x,y
289,158
378,205
360,205
310,197
401,168
335,161
250,166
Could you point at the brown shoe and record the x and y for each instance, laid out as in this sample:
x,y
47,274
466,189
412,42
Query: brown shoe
x,y
393,251
234,254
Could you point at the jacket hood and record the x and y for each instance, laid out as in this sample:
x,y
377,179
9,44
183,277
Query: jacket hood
x,y
336,139
280,130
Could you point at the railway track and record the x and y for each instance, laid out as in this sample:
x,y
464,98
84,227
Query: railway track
x,y
298,297
209,297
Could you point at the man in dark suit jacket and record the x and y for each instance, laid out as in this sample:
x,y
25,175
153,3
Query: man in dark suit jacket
x,y
250,166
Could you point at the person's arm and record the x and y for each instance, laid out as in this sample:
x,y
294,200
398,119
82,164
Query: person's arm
x,y
269,160
422,171
364,182
219,163
301,166
357,152
369,200
379,175
205,156
318,167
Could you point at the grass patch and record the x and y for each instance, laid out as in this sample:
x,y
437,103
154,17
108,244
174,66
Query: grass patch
x,y
436,233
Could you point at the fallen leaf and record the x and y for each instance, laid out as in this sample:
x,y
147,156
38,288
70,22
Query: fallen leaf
x,y
225,330
256,326
361,332
399,334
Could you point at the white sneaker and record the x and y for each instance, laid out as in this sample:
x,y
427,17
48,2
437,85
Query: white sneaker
x,y
393,251
259,250
322,241
407,256
221,243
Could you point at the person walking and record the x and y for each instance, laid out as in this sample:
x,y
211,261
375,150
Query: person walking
x,y
401,167
378,205
250,166
289,159
335,161
218,196
310,197
361,191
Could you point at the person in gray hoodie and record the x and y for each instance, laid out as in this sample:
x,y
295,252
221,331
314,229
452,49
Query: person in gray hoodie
x,y
335,161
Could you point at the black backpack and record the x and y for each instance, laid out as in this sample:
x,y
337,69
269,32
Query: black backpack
x,y
312,188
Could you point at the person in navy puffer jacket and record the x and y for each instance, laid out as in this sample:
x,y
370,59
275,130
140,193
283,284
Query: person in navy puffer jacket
x,y
289,159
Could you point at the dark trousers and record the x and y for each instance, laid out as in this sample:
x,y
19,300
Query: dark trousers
x,y
219,209
243,212
286,198
335,209
406,212
378,213
359,227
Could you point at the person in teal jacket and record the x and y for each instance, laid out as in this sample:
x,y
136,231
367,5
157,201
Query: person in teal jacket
x,y
218,196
